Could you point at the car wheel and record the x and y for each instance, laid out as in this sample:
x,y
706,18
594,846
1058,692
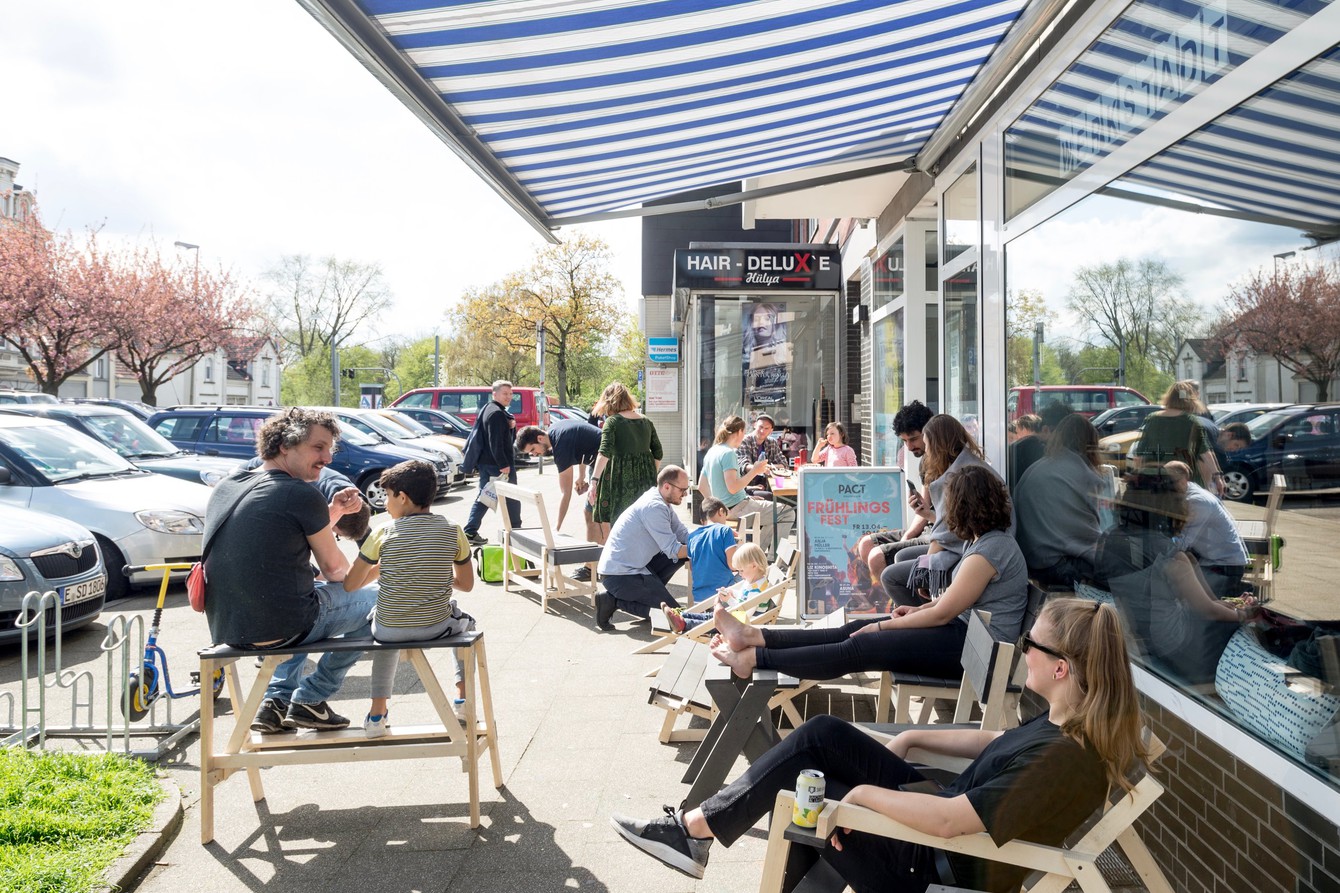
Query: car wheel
x,y
1238,485
118,584
371,485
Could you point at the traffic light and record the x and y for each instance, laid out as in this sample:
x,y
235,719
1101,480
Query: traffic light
x,y
347,373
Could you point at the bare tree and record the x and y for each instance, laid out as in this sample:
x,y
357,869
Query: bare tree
x,y
1138,305
322,304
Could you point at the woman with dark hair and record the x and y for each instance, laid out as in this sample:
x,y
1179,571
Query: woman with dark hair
x,y
1057,503
1037,782
927,638
949,450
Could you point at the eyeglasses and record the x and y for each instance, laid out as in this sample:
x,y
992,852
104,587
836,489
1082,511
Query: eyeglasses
x,y
678,487
1027,643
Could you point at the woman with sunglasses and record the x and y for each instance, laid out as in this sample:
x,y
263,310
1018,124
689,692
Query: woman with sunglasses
x,y
1037,782
926,638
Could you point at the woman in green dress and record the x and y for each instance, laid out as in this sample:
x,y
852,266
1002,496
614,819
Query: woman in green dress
x,y
630,455
1174,434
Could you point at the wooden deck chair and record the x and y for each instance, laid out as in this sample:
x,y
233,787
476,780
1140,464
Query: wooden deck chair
x,y
785,699
1054,868
749,529
932,688
552,553
680,690
780,579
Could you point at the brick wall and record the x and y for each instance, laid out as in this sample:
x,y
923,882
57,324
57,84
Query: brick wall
x,y
1222,827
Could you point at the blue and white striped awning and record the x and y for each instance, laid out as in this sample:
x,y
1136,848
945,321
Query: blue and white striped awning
x,y
576,107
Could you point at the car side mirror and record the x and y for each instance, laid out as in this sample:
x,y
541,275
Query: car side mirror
x,y
1280,440
6,476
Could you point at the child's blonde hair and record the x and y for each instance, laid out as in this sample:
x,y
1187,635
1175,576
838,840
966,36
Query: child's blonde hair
x,y
751,554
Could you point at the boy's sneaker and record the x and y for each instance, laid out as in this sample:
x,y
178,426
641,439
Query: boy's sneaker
x,y
377,726
458,708
315,716
476,540
666,839
582,574
271,719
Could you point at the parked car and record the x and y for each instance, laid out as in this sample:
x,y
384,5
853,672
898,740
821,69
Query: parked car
x,y
44,553
141,411
1301,442
1228,413
8,395
136,516
1115,449
1088,400
529,406
231,431
1123,418
571,413
439,421
133,439
387,426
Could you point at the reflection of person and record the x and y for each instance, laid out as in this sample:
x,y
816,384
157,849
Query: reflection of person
x,y
1057,502
253,603
1211,535
1036,782
1174,434
1235,436
645,547
420,560
630,454
927,638
1032,446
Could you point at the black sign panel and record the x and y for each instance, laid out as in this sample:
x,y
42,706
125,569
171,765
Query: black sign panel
x,y
758,269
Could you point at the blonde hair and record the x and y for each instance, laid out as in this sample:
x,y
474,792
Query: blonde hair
x,y
1183,395
751,554
945,438
1107,715
614,399
732,425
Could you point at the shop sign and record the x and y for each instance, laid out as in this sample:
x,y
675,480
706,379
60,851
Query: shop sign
x,y
663,350
752,269
662,390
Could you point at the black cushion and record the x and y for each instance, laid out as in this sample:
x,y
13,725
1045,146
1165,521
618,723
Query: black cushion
x,y
567,548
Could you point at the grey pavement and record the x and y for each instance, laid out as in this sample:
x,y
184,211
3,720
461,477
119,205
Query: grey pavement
x,y
576,736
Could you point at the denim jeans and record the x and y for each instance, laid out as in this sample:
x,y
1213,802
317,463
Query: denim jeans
x,y
486,474
340,613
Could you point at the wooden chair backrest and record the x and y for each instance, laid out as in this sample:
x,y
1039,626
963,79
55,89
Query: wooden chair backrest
x,y
682,673
986,673
525,496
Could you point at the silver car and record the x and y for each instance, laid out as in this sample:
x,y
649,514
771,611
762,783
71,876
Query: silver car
x,y
43,553
136,516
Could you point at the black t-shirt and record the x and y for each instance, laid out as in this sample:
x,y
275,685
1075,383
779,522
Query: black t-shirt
x,y
1032,783
573,443
1023,453
259,566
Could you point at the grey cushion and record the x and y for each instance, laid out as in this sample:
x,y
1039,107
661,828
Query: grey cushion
x,y
567,548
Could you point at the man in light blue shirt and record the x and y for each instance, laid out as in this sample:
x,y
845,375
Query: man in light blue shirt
x,y
646,546
1210,535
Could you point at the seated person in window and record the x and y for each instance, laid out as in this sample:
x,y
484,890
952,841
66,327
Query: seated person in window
x,y
1210,535
756,442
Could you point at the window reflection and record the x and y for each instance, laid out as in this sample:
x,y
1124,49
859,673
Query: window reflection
x,y
961,344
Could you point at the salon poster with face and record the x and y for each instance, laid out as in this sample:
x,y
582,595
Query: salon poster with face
x,y
838,506
767,357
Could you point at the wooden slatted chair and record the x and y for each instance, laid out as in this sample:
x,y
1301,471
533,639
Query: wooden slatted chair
x,y
1053,868
553,553
781,579
680,690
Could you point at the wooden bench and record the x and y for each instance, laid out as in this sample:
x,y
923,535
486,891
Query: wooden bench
x,y
552,552
249,751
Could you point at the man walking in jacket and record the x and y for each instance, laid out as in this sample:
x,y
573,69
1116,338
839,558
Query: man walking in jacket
x,y
490,451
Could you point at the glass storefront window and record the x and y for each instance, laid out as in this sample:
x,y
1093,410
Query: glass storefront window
x,y
961,371
960,216
768,354
889,280
888,350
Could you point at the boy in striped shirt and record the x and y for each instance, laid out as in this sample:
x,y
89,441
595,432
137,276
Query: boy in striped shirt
x,y
421,559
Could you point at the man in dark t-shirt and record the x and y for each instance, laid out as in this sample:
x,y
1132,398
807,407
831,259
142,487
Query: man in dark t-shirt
x,y
261,591
574,446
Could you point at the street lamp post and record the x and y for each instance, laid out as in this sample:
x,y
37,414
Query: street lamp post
x,y
195,289
1283,255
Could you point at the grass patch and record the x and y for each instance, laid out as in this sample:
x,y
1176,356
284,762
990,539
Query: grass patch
x,y
65,817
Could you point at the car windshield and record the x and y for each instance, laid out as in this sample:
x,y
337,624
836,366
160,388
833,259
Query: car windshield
x,y
412,426
1261,425
61,454
352,435
129,436
372,422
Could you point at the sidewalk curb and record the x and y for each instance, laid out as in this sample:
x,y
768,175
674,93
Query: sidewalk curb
x,y
125,873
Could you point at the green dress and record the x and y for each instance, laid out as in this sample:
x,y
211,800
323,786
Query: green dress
x,y
1167,437
633,450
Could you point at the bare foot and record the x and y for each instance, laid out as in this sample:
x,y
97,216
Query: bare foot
x,y
741,663
738,634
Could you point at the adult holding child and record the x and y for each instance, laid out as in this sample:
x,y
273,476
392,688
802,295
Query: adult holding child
x,y
722,478
926,638
1037,782
630,455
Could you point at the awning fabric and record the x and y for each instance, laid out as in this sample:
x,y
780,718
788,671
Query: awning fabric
x,y
581,106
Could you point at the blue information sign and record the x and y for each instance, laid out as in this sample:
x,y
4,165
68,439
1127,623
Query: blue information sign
x,y
836,507
663,350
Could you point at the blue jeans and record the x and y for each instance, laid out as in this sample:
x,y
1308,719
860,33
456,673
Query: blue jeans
x,y
486,474
340,614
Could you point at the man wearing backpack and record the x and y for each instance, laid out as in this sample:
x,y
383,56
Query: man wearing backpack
x,y
489,450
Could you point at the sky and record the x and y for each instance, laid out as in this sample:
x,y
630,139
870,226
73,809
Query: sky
x,y
244,127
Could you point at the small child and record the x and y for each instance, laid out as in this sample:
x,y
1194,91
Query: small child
x,y
711,548
752,563
421,559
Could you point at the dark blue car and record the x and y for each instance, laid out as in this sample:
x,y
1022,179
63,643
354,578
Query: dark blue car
x,y
1300,442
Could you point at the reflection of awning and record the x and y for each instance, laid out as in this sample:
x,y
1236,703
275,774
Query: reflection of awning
x,y
586,106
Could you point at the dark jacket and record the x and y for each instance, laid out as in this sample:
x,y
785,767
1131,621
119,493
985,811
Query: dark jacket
x,y
494,431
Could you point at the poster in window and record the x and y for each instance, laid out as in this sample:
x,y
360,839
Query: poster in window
x,y
767,356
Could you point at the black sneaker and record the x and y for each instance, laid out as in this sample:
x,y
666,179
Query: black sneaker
x,y
666,839
605,608
271,718
315,716
476,540
582,574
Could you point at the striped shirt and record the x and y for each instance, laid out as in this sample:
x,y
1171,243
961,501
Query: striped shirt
x,y
416,554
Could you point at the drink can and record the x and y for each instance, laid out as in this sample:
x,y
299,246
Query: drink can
x,y
809,799
802,456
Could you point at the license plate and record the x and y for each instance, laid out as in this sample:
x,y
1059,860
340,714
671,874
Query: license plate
x,y
84,591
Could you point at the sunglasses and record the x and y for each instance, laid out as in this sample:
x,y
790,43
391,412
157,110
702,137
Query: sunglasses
x,y
1028,643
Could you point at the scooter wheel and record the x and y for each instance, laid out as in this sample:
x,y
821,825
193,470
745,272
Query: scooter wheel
x,y
217,681
143,693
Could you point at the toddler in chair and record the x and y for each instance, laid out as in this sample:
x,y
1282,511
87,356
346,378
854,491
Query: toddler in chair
x,y
751,562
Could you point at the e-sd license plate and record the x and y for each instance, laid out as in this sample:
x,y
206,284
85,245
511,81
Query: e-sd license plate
x,y
84,591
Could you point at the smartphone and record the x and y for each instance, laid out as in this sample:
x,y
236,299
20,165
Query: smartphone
x,y
911,489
